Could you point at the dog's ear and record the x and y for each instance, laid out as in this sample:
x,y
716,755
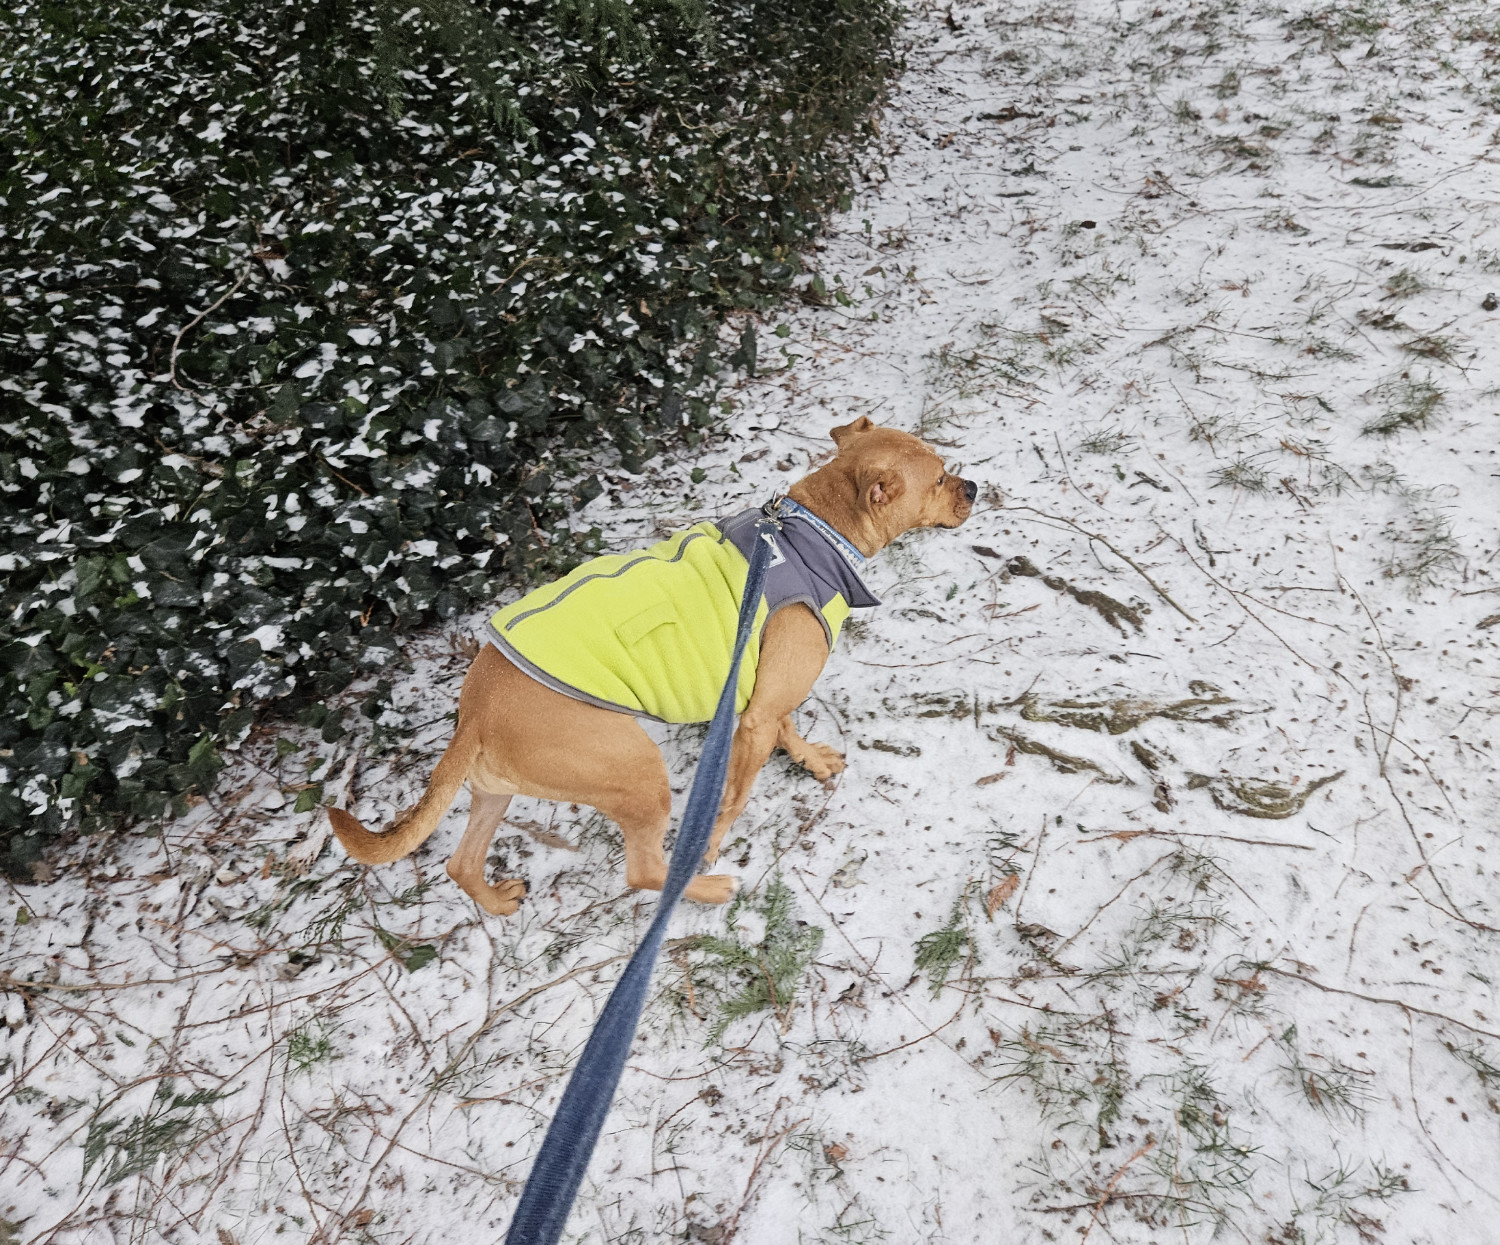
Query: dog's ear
x,y
881,487
842,434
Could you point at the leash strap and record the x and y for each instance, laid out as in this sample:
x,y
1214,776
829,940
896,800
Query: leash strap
x,y
565,1152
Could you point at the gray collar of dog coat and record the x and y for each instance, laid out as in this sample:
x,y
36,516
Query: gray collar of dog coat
x,y
805,566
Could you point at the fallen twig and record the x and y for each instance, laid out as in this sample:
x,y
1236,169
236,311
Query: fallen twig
x,y
1236,596
892,1050
441,1078
1124,836
1373,998
768,1143
1110,1188
1079,931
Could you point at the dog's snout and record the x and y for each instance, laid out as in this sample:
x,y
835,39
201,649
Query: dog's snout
x,y
971,490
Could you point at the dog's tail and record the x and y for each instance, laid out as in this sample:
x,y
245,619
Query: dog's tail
x,y
416,823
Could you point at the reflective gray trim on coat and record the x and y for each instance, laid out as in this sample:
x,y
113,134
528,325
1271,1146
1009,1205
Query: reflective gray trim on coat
x,y
552,681
615,574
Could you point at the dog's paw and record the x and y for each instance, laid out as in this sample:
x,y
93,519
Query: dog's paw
x,y
821,761
712,888
502,899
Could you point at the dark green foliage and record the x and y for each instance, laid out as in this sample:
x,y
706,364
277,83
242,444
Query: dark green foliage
x,y
412,956
943,950
762,976
131,1146
316,320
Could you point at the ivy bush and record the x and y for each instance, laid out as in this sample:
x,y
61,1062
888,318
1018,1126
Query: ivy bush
x,y
317,318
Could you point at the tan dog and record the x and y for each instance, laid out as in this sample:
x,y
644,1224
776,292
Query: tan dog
x,y
517,736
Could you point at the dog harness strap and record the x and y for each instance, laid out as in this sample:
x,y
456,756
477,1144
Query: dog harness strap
x,y
564,1155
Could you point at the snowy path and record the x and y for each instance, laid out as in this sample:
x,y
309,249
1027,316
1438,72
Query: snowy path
x,y
1202,297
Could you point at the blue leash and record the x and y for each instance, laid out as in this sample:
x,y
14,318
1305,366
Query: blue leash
x,y
564,1156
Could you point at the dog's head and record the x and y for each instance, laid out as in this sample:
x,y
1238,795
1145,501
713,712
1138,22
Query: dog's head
x,y
885,482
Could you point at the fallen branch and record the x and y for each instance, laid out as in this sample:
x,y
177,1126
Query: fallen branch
x,y
442,1077
1110,1188
1236,598
9,982
1124,836
1135,566
194,322
1079,931
879,1053
1372,998
1452,910
769,1142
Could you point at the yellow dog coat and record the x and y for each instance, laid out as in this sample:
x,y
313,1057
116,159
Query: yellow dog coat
x,y
650,632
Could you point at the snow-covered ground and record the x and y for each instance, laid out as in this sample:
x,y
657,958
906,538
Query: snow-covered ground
x,y
1136,916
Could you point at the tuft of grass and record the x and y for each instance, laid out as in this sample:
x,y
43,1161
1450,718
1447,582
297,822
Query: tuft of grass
x,y
1437,346
1339,1194
1052,1060
1331,1087
1404,283
1321,348
1180,926
1204,1170
1106,441
750,977
1407,403
1185,113
1000,361
1425,550
1212,429
1244,473
1477,1058
1337,25
307,1045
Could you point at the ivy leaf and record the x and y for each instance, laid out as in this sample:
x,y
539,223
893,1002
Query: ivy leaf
x,y
412,957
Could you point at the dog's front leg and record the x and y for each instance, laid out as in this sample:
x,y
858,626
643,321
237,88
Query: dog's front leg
x,y
819,760
793,651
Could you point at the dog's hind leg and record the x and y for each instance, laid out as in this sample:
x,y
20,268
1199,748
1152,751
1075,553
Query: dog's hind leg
x,y
640,803
466,867
547,746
